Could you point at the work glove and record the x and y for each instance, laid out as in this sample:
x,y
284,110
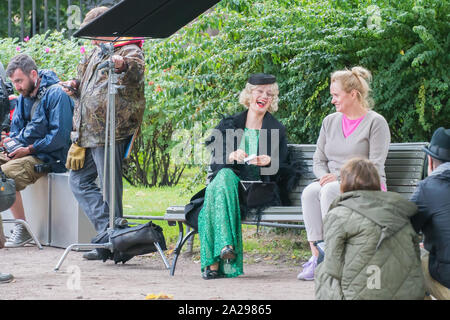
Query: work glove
x,y
75,157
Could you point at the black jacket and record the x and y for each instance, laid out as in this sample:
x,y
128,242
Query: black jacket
x,y
284,173
432,198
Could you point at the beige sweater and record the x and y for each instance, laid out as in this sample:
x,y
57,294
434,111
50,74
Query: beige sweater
x,y
370,140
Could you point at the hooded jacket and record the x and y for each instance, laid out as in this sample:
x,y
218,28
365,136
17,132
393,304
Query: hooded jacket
x,y
89,121
371,249
48,129
432,197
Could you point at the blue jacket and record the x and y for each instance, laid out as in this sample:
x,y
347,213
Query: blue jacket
x,y
49,129
432,198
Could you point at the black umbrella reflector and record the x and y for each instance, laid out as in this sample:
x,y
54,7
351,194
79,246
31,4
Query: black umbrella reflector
x,y
145,18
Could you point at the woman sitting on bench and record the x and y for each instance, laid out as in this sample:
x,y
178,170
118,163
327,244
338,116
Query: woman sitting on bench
x,y
255,132
354,130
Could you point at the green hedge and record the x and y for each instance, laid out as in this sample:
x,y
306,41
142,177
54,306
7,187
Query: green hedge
x,y
404,43
196,75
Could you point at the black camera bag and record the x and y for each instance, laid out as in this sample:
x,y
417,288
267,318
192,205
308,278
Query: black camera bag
x,y
128,242
138,240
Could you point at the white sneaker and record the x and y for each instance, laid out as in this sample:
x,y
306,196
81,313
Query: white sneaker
x,y
20,237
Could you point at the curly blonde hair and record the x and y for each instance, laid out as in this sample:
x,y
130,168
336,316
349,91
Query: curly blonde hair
x,y
358,78
245,96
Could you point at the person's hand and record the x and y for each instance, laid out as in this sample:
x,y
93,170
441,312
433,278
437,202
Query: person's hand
x,y
238,155
3,137
119,63
69,87
327,179
75,157
19,153
261,161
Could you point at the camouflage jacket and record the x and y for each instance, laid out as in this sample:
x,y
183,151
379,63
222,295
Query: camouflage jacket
x,y
91,103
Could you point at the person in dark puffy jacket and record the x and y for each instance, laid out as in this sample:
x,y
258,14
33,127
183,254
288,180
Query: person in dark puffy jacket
x,y
432,197
7,103
40,129
371,249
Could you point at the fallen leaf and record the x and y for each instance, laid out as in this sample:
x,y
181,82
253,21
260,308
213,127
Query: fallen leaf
x,y
159,296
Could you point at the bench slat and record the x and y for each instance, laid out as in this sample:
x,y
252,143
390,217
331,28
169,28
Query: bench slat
x,y
300,155
391,168
404,169
272,214
389,162
418,168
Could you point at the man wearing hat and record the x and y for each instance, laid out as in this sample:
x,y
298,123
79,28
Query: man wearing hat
x,y
432,198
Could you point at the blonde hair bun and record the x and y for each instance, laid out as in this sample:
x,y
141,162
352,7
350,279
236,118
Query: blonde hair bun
x,y
363,73
358,78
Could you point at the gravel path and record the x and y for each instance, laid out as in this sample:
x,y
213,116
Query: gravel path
x,y
140,277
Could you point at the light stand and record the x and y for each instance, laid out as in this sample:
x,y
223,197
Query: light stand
x,y
110,149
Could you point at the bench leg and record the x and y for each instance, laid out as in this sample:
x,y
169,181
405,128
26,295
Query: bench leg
x,y
190,242
181,241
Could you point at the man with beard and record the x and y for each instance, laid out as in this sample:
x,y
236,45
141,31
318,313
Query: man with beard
x,y
40,130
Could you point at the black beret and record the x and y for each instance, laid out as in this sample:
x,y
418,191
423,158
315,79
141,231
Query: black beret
x,y
261,78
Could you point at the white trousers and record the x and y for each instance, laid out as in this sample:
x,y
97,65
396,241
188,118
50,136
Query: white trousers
x,y
316,201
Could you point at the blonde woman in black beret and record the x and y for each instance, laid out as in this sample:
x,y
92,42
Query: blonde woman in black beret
x,y
257,133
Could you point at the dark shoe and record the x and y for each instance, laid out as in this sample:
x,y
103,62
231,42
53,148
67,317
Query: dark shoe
x,y
320,245
210,274
92,255
227,253
6,277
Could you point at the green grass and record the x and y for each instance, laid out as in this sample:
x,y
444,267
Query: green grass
x,y
154,202
271,245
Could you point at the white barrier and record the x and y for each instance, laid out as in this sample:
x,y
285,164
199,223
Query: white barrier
x,y
53,213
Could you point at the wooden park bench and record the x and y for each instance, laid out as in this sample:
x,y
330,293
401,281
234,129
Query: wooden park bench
x,y
405,166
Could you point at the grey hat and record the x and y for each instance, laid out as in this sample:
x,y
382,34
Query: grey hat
x,y
439,147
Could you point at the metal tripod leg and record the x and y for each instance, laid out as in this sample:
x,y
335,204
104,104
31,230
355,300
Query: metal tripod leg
x,y
27,226
161,253
81,246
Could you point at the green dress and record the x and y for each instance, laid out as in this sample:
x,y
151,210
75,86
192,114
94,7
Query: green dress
x,y
219,221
